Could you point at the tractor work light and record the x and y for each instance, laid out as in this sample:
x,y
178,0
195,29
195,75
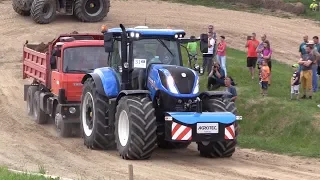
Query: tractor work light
x,y
179,35
134,35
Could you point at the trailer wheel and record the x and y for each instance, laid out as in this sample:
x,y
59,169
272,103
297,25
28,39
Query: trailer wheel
x,y
30,93
91,10
220,148
135,127
94,118
21,9
43,11
63,129
38,115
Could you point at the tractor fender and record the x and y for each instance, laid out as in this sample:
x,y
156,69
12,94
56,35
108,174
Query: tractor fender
x,y
132,92
216,94
97,80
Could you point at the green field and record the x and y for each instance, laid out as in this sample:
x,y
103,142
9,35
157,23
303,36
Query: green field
x,y
274,123
7,175
227,5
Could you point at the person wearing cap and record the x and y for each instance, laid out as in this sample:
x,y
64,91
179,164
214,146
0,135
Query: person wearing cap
x,y
306,70
56,52
295,81
221,53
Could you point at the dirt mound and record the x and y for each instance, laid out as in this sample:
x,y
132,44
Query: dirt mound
x,y
299,8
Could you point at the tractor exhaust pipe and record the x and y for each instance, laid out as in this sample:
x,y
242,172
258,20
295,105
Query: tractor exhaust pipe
x,y
125,81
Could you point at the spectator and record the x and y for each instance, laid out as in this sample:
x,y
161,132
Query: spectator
x,y
315,65
231,89
306,70
211,30
192,48
295,81
313,6
252,45
221,53
265,73
267,52
207,57
302,49
216,77
259,50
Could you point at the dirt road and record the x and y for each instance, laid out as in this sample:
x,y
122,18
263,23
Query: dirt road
x,y
25,145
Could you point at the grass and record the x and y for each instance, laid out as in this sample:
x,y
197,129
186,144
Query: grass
x,y
5,174
274,123
223,4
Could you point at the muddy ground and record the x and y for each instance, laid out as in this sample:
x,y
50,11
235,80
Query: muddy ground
x,y
25,145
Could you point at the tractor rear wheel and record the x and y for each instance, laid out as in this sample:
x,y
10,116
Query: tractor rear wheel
x,y
220,148
94,118
43,11
21,7
38,115
91,10
30,94
135,127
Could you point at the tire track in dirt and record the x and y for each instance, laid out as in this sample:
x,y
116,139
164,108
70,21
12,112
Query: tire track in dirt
x,y
25,145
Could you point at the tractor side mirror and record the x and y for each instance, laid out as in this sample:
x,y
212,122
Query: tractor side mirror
x,y
204,43
108,42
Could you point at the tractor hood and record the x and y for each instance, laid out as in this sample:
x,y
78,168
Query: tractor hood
x,y
176,79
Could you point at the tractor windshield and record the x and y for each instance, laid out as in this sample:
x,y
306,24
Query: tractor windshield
x,y
84,59
148,51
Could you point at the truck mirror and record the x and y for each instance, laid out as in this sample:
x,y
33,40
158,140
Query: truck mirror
x,y
108,42
204,43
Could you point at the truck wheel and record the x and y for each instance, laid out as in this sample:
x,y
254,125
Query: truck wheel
x,y
220,148
63,129
19,8
91,10
43,11
94,118
30,93
38,115
135,127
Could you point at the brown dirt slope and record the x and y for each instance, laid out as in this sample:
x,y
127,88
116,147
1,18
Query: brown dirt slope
x,y
25,145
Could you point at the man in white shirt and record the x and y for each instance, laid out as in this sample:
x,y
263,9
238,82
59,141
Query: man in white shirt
x,y
208,57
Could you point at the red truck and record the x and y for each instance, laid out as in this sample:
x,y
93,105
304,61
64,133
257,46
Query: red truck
x,y
55,91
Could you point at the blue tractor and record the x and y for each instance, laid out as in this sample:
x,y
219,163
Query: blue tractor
x,y
146,98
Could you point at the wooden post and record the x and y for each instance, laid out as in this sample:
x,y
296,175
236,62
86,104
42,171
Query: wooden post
x,y
130,171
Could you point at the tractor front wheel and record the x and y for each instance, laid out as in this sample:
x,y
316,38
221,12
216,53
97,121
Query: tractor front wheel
x,y
135,127
43,11
21,7
220,148
91,10
94,118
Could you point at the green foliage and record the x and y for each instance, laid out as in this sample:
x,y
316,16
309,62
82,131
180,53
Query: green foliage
x,y
5,174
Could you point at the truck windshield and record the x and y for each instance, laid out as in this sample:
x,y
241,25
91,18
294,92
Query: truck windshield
x,y
84,59
155,51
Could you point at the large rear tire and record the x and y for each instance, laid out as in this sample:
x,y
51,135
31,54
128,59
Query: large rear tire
x,y
21,8
91,10
30,94
135,127
94,118
220,148
39,116
43,11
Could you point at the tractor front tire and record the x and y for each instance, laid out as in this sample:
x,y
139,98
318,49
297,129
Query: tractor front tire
x,y
94,118
19,8
30,94
135,127
39,116
91,10
43,11
220,148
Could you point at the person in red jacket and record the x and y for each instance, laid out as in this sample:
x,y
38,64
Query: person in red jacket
x,y
252,56
221,53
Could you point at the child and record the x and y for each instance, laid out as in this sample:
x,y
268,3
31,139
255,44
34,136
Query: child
x,y
192,48
295,81
265,73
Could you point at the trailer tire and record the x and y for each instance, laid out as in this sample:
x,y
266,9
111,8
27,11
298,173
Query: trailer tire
x,y
95,138
20,9
220,148
39,116
30,94
85,13
43,11
135,127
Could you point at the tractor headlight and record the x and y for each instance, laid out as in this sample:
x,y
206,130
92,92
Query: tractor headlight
x,y
171,85
196,88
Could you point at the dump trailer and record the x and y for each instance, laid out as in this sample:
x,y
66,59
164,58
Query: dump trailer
x,y
55,76
147,98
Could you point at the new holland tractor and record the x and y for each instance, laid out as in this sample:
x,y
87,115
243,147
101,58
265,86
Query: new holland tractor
x,y
45,11
147,98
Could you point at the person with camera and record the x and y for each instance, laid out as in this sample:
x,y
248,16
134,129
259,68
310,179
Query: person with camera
x,y
216,77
